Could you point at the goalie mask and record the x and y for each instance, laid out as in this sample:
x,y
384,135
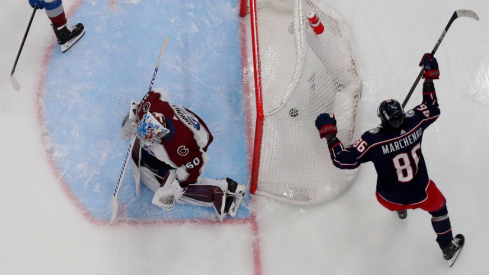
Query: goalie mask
x,y
391,113
151,125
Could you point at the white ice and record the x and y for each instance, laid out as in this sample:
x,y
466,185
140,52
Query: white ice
x,y
42,232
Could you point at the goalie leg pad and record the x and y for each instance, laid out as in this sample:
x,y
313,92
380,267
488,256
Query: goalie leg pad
x,y
136,163
155,182
237,199
207,192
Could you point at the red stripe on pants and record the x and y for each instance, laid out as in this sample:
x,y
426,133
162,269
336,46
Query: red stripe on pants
x,y
434,201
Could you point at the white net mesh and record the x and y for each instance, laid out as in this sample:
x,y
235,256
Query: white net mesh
x,y
303,75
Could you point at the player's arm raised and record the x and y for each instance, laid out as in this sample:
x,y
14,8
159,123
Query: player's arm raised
x,y
431,72
344,158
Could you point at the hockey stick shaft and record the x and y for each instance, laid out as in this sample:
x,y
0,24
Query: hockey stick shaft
x,y
114,203
13,80
158,64
456,14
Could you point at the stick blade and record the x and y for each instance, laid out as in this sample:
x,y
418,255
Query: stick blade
x,y
467,13
114,205
14,82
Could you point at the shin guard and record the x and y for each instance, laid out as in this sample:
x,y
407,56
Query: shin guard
x,y
441,225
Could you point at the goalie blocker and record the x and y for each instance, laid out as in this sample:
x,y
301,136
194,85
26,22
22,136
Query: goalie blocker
x,y
169,157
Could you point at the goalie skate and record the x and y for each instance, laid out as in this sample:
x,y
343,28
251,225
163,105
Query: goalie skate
x,y
237,197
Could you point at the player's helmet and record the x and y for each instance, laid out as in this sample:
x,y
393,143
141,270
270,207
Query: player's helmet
x,y
151,125
391,113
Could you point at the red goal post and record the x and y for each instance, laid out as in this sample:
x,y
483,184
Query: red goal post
x,y
292,76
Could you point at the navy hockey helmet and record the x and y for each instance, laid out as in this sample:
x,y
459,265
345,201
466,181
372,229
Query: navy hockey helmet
x,y
391,113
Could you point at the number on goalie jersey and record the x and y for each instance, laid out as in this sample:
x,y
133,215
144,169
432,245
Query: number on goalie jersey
x,y
170,155
395,150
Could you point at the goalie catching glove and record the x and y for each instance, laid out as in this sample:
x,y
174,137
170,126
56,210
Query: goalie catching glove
x,y
166,196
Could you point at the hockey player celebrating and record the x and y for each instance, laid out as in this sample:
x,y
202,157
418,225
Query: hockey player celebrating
x,y
169,156
394,147
67,36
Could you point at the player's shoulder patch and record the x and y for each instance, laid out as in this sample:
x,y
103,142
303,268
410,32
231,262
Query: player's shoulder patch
x,y
374,130
410,113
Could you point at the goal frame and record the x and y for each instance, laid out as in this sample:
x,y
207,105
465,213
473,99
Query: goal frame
x,y
335,183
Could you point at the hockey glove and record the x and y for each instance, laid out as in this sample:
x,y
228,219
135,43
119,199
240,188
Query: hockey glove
x,y
326,125
129,125
166,196
430,66
40,4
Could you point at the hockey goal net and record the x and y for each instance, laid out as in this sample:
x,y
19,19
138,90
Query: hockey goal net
x,y
292,75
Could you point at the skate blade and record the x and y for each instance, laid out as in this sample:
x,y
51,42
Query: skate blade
x,y
66,46
239,195
454,258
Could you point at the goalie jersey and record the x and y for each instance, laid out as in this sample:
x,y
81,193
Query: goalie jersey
x,y
184,149
395,153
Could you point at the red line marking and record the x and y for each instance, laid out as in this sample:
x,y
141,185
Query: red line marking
x,y
113,4
249,142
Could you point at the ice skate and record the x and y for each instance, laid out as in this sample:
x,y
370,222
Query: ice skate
x,y
451,251
68,36
234,197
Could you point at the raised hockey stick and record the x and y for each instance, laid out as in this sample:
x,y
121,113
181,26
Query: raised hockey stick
x,y
114,203
158,64
13,79
456,14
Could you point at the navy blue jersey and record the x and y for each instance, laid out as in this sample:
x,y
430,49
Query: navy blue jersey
x,y
402,177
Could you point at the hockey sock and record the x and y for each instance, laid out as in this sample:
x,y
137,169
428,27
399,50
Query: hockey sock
x,y
441,225
59,21
56,13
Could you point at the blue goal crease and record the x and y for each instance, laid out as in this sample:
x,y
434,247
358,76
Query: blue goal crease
x,y
89,89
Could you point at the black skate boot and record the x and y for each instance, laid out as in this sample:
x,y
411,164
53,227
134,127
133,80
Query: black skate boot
x,y
68,36
451,251
232,185
402,214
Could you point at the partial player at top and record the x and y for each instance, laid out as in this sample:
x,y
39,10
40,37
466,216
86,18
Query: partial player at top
x,y
66,35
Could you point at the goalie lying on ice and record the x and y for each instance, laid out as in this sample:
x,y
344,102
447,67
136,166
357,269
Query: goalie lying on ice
x,y
169,156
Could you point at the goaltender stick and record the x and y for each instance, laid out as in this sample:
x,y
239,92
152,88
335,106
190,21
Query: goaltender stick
x,y
394,147
169,156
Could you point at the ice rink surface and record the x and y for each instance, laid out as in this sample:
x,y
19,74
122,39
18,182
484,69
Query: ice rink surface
x,y
50,229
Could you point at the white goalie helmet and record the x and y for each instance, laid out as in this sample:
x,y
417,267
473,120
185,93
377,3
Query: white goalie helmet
x,y
151,125
151,128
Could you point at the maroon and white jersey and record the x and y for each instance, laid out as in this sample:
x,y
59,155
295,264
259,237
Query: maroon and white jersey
x,y
185,147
